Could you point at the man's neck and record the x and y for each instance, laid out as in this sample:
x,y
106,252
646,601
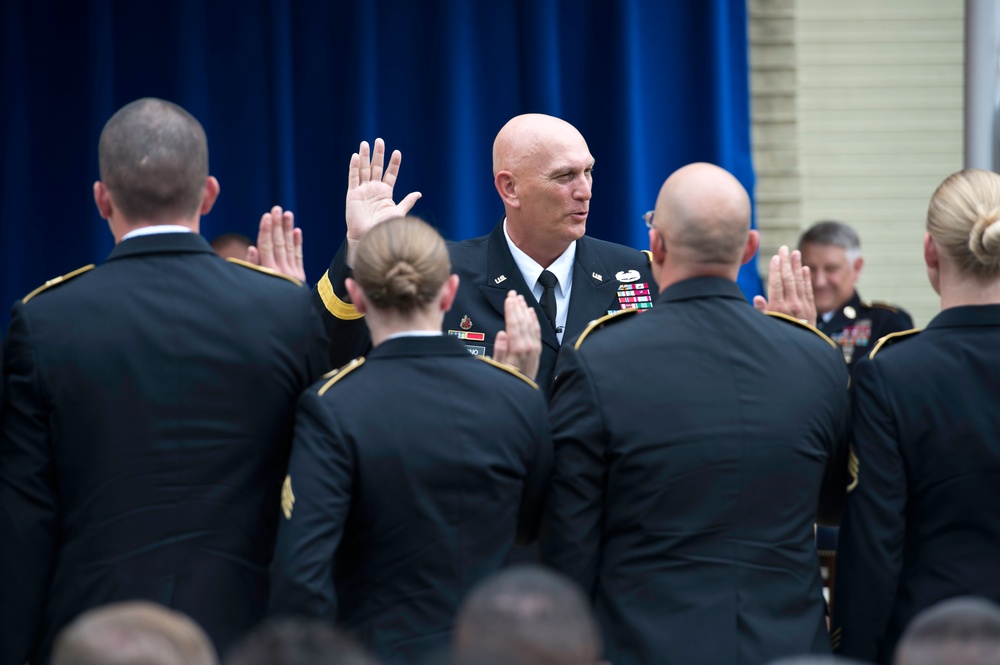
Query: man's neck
x,y
122,228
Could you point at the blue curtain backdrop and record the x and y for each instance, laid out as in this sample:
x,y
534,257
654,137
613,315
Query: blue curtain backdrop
x,y
286,89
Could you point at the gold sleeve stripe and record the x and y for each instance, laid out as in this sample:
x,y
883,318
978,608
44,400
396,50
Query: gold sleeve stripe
x,y
57,280
598,323
338,374
803,324
340,309
853,468
892,338
508,368
266,271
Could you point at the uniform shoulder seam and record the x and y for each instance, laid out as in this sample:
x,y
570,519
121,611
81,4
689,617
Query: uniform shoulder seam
x,y
603,321
892,338
649,255
336,375
803,324
266,271
508,369
56,281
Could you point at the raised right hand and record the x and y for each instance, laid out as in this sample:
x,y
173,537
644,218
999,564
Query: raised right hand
x,y
369,193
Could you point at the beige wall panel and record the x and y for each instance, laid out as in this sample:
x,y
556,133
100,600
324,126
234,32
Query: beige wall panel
x,y
879,125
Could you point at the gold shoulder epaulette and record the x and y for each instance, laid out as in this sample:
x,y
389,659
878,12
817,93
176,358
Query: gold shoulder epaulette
x,y
266,271
509,369
879,304
344,311
892,338
649,255
55,281
803,324
339,373
603,321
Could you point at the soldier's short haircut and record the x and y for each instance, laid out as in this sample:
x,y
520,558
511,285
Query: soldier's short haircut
x,y
958,631
831,232
133,633
154,160
528,614
298,641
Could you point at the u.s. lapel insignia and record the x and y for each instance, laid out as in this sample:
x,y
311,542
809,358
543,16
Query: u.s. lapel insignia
x,y
500,279
287,497
599,278
627,276
849,312
465,323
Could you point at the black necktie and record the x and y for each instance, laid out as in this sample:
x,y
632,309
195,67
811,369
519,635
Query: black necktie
x,y
548,301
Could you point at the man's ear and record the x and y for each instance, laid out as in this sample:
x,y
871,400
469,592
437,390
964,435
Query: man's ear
x,y
657,246
753,242
448,291
211,193
859,263
102,198
507,188
357,295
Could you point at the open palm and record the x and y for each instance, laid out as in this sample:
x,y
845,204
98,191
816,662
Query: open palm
x,y
369,191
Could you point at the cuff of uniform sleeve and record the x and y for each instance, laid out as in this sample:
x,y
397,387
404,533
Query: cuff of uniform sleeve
x,y
332,291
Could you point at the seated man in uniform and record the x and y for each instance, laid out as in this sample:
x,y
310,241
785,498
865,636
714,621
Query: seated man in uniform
x,y
832,252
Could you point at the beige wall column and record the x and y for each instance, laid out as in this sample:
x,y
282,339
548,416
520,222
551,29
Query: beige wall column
x,y
857,116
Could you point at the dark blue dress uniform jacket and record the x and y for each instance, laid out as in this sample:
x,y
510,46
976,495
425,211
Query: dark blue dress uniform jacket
x,y
858,326
922,523
149,406
412,473
487,271
691,445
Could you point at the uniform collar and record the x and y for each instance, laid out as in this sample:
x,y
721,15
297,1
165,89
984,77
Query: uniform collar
x,y
408,346
702,287
966,316
160,243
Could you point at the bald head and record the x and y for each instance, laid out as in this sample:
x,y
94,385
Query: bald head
x,y
542,169
530,138
154,161
703,213
133,633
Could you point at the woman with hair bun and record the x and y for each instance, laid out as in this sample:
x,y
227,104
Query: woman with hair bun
x,y
922,520
414,469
